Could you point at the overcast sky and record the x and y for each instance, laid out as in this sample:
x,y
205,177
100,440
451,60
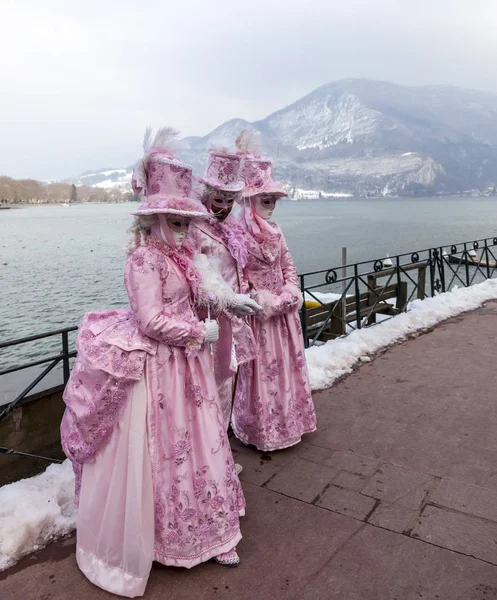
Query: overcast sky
x,y
80,80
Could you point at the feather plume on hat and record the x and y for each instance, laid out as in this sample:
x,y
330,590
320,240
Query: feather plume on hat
x,y
220,144
166,139
249,142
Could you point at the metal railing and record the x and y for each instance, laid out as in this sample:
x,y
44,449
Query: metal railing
x,y
359,294
64,356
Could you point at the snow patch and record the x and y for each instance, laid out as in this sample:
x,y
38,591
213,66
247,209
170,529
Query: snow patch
x,y
112,171
35,512
330,361
324,297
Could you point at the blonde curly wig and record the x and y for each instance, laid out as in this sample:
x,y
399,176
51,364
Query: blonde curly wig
x,y
139,230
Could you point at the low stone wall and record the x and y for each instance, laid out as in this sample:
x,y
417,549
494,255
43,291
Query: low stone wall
x,y
32,427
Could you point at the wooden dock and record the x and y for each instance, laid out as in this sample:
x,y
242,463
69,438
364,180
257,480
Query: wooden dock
x,y
472,261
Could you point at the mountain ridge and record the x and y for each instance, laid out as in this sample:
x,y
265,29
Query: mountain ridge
x,y
368,138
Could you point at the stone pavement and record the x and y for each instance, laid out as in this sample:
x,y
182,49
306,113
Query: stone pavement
x,y
393,498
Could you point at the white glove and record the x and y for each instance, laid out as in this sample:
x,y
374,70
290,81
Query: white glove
x,y
244,305
211,331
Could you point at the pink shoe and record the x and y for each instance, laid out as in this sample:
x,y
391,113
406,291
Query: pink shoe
x,y
228,559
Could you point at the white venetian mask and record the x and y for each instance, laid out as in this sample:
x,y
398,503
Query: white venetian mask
x,y
178,227
264,206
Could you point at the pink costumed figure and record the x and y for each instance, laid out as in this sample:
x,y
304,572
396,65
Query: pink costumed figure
x,y
222,241
273,403
143,425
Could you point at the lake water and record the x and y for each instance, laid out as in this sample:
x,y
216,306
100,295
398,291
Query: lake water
x,y
58,262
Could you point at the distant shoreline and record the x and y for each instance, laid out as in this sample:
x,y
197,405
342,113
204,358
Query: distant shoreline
x,y
61,204
466,194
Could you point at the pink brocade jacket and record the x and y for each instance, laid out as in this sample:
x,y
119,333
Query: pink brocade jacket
x,y
275,283
114,344
236,339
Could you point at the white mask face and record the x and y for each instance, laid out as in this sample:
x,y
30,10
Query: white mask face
x,y
178,227
264,206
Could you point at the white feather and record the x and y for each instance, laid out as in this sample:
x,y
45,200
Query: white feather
x,y
166,138
213,282
139,177
249,141
147,138
219,144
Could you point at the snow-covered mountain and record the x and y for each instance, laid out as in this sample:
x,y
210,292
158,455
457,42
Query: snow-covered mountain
x,y
107,179
370,138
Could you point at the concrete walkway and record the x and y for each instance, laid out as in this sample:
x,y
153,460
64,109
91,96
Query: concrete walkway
x,y
393,498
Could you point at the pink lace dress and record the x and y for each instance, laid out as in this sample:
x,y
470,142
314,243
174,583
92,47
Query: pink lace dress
x,y
224,245
144,429
273,403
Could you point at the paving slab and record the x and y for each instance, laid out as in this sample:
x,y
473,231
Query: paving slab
x,y
257,468
469,535
427,404
380,565
346,502
302,479
308,451
397,485
465,498
350,481
393,517
348,461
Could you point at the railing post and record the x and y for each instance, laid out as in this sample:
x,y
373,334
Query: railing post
x,y
65,352
399,281
303,312
442,268
432,273
357,298
485,252
344,283
466,263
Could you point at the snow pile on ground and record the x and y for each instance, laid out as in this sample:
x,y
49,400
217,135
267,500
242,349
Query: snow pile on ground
x,y
330,361
36,511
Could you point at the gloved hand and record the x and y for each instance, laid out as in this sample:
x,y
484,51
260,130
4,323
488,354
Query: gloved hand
x,y
274,305
211,331
244,305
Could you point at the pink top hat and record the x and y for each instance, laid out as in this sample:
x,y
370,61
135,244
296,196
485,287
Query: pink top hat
x,y
166,181
257,172
223,172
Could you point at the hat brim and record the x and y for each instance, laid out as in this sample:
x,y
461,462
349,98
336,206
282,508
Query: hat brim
x,y
172,211
174,205
238,186
277,192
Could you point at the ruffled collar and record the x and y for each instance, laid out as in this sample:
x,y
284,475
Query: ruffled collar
x,y
267,238
183,257
232,234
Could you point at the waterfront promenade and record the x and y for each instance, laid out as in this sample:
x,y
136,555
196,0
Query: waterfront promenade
x,y
393,498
